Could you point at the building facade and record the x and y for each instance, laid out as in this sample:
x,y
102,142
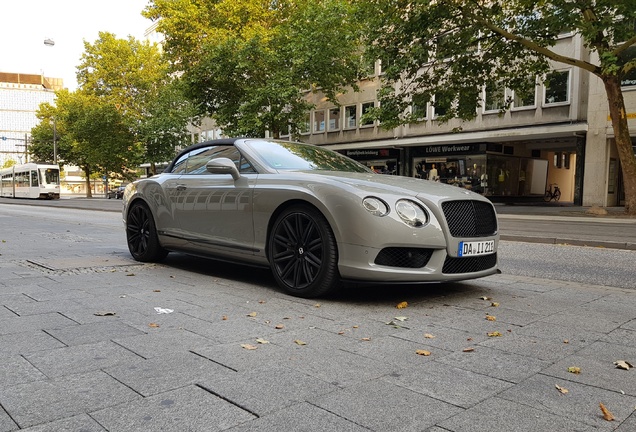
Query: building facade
x,y
561,136
20,97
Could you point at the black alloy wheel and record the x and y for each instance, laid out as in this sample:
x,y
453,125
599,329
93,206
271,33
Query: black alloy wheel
x,y
141,235
302,252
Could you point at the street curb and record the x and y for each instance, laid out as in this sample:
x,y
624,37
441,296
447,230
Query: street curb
x,y
570,242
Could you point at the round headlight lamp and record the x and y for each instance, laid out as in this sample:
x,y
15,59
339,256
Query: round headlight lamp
x,y
375,206
411,213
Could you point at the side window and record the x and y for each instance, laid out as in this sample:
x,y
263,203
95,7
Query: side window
x,y
197,159
180,165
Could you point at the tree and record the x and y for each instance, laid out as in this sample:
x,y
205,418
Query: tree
x,y
90,133
498,43
249,63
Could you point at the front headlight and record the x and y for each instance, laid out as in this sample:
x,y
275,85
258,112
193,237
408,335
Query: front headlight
x,y
411,213
375,206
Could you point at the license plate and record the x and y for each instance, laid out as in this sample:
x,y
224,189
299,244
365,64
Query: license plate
x,y
476,248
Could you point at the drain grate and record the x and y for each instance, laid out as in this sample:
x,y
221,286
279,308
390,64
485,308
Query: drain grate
x,y
81,265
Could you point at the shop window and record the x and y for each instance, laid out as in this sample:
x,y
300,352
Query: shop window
x,y
629,80
334,119
494,97
366,108
351,118
558,159
419,107
319,121
557,87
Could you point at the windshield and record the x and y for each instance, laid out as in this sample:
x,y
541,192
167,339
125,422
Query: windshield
x,y
294,156
51,175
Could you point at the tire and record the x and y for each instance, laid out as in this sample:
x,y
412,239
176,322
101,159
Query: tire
x,y
302,253
547,197
141,235
557,195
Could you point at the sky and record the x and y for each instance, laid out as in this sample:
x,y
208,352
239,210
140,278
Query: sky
x,y
25,24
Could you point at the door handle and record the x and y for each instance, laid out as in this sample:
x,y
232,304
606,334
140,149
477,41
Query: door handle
x,y
181,187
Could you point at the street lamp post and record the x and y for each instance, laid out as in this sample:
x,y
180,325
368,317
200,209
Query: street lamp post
x,y
49,43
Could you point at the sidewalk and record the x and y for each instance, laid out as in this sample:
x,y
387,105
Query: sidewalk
x,y
92,340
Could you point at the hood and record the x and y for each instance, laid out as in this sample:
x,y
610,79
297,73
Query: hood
x,y
379,183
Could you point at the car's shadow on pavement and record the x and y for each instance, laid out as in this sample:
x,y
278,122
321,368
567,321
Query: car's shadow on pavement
x,y
351,293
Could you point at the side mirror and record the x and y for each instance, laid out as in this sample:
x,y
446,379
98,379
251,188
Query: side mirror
x,y
223,166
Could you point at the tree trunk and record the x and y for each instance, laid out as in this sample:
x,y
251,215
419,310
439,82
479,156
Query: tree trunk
x,y
87,174
623,140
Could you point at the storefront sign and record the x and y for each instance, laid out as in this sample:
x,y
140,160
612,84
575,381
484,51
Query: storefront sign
x,y
369,154
450,149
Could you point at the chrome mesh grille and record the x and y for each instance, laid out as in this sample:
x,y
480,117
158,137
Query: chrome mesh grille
x,y
454,265
404,257
470,218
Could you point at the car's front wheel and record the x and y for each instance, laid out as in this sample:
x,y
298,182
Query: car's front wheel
x,y
141,235
302,252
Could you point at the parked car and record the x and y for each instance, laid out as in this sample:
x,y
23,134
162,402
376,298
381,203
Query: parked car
x,y
117,193
313,216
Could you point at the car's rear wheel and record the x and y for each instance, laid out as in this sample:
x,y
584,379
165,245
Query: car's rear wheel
x,y
141,235
303,253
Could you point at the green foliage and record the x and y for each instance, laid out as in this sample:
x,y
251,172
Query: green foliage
x,y
249,63
9,163
461,46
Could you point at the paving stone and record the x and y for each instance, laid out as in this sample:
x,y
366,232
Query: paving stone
x,y
26,343
560,334
187,409
40,402
449,384
106,330
499,415
233,356
79,423
628,425
445,338
31,323
6,423
621,336
494,363
531,347
396,351
5,314
394,407
156,343
167,372
80,358
38,308
263,391
302,417
16,370
585,318
580,403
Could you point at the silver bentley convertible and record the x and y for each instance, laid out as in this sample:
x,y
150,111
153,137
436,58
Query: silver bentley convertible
x,y
314,216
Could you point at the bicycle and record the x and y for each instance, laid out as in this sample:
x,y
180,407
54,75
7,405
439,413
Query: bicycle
x,y
552,194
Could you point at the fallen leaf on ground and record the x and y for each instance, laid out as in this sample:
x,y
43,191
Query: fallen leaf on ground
x,y
485,298
622,364
355,326
262,341
153,325
401,318
156,290
468,349
279,327
491,318
252,314
566,341
574,370
494,334
366,339
423,352
494,304
261,301
561,389
607,415
402,305
224,317
429,336
249,347
299,342
341,332
317,305
104,313
130,274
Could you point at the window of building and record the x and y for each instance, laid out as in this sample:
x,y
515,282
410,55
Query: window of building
x,y
319,121
419,107
525,99
629,80
366,107
494,97
334,119
442,104
305,125
351,118
557,87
